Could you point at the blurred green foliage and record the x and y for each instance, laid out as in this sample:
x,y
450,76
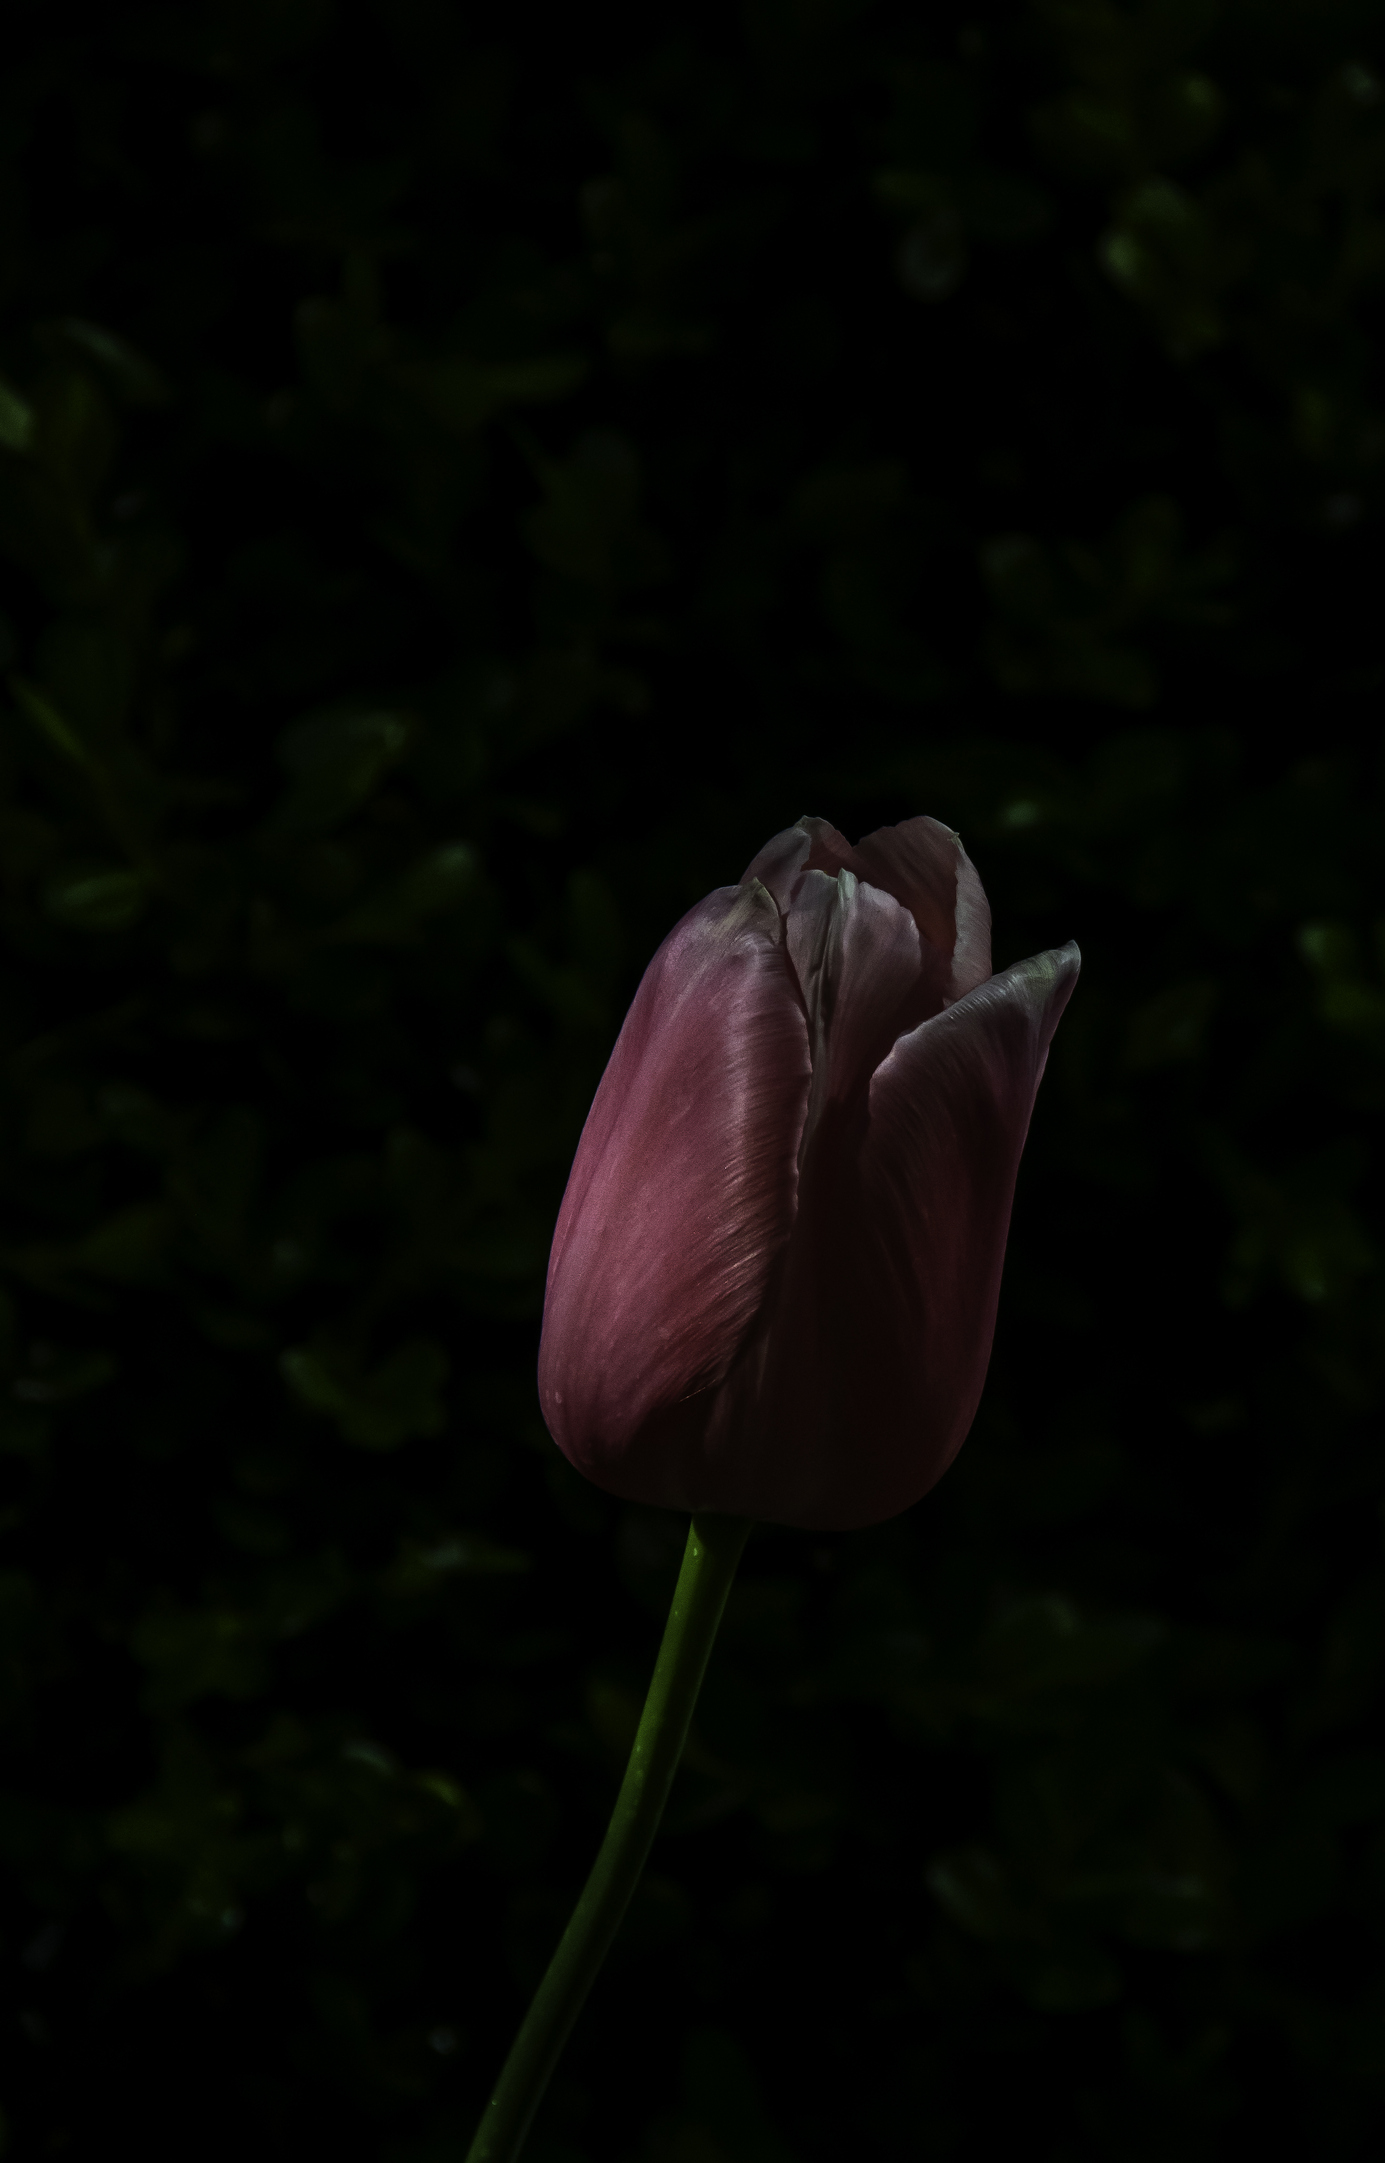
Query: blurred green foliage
x,y
466,477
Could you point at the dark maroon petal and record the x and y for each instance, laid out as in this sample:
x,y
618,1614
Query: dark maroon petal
x,y
809,845
779,864
880,1338
871,979
683,1188
971,956
827,849
807,935
923,864
856,954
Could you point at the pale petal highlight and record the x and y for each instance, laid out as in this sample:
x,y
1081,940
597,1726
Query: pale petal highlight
x,y
683,1189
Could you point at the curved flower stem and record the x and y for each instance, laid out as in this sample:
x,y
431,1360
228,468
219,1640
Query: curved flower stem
x,y
709,1564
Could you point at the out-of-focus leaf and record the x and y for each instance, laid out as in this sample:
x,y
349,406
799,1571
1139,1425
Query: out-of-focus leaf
x,y
379,1407
128,371
421,1567
588,528
1065,618
195,1653
131,1247
46,718
443,880
54,1374
1161,252
337,760
97,900
460,395
16,419
1170,1027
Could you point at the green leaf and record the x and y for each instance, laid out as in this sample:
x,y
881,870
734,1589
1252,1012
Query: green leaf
x,y
588,527
130,1247
55,1374
376,1408
422,1567
126,370
444,879
461,395
338,760
50,723
193,1653
16,419
1170,1028
105,900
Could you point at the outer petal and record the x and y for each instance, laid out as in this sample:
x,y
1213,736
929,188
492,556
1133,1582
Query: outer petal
x,y
682,1192
879,1343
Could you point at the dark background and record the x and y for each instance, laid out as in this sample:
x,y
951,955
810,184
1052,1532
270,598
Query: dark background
x,y
469,476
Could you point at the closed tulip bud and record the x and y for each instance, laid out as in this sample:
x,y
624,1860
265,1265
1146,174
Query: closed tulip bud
x,y
773,1284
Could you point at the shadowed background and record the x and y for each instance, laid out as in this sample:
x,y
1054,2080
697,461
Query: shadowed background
x,y
467,477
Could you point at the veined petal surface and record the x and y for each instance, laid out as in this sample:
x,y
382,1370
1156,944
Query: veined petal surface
x,y
683,1190
878,1345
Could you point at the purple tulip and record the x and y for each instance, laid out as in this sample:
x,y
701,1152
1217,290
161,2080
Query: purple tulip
x,y
774,1278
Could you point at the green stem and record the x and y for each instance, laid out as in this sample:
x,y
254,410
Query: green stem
x,y
709,1564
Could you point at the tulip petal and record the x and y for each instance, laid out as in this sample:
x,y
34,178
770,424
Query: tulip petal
x,y
856,954
807,931
881,1336
683,1189
871,970
810,845
780,863
923,864
828,850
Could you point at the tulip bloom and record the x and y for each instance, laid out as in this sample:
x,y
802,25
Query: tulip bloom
x,y
773,1284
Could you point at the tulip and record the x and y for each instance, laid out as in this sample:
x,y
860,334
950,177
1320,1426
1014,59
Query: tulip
x,y
773,1284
